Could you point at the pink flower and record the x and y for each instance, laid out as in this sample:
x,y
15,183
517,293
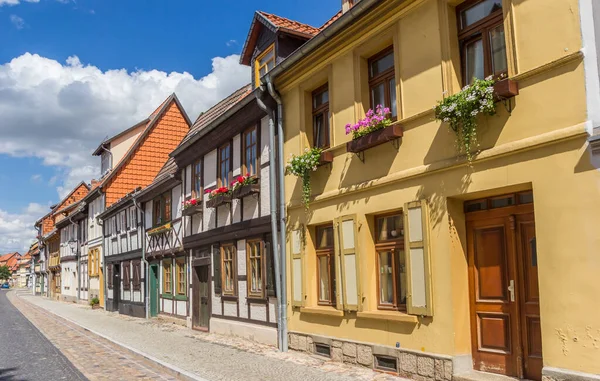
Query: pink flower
x,y
207,191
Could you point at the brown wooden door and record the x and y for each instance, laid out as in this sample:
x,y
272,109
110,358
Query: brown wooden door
x,y
204,292
531,333
493,312
504,292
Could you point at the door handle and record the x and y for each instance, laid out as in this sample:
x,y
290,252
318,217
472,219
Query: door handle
x,y
511,289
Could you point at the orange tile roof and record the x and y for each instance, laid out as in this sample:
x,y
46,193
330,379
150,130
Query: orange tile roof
x,y
331,20
290,25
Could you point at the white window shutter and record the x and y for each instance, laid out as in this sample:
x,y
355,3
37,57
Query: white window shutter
x,y
418,262
297,269
346,245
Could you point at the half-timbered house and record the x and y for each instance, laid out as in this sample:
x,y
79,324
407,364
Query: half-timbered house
x,y
224,165
168,262
123,235
129,160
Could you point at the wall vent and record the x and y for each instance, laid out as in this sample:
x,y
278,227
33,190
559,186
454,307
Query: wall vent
x,y
323,350
386,364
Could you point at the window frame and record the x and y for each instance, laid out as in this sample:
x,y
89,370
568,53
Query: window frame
x,y
258,65
245,149
383,78
220,183
167,263
233,260
137,275
322,110
161,200
180,262
126,278
479,30
261,257
393,246
329,252
197,177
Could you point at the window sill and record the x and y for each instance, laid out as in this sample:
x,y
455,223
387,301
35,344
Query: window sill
x,y
328,311
387,315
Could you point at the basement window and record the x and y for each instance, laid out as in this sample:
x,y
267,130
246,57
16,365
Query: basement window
x,y
323,350
386,364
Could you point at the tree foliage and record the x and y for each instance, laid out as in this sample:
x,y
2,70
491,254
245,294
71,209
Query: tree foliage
x,y
4,272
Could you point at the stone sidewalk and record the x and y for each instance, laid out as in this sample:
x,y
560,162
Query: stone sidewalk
x,y
201,355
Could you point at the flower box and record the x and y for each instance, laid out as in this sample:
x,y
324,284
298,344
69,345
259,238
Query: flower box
x,y
190,210
218,200
246,190
96,307
375,138
160,229
326,158
506,88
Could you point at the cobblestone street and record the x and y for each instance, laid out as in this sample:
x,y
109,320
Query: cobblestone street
x,y
195,355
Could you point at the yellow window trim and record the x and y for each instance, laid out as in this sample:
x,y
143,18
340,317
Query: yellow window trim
x,y
387,315
257,65
327,311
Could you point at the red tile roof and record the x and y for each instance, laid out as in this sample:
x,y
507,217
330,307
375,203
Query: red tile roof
x,y
331,20
290,25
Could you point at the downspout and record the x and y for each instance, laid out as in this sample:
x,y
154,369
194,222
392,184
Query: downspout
x,y
78,262
146,268
282,208
273,206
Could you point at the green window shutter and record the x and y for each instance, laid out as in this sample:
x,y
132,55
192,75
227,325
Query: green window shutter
x,y
297,265
346,245
217,269
270,268
418,261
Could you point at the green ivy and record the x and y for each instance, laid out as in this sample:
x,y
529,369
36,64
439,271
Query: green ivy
x,y
460,112
302,166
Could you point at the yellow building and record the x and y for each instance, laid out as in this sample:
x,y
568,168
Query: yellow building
x,y
409,258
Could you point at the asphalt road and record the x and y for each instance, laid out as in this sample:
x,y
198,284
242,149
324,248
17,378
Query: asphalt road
x,y
25,353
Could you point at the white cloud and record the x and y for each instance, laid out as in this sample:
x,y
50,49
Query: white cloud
x,y
231,43
17,21
16,230
60,112
36,179
16,2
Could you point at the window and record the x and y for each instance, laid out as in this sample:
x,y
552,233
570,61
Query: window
x,y
320,117
180,268
229,270
264,63
137,274
161,209
197,179
94,262
224,168
481,38
389,246
167,277
382,81
249,157
325,265
109,276
133,218
126,275
105,162
255,254
123,216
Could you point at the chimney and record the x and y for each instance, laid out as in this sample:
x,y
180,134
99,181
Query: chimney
x,y
347,4
94,183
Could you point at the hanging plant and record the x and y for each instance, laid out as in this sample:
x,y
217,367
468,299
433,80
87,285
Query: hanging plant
x,y
460,112
302,166
373,121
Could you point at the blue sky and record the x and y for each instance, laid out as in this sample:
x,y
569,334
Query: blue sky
x,y
49,126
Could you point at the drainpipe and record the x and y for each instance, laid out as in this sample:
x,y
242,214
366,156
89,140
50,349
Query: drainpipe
x,y
78,262
282,208
146,268
273,206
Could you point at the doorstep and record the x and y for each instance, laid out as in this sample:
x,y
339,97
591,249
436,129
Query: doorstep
x,y
474,375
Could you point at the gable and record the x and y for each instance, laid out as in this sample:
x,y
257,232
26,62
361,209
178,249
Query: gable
x,y
149,156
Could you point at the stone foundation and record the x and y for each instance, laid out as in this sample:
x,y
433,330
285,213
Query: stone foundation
x,y
557,374
411,364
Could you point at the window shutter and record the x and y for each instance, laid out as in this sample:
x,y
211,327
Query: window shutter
x,y
346,246
217,269
270,269
416,225
297,269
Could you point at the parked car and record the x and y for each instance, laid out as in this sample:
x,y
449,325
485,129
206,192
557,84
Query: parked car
x,y
5,285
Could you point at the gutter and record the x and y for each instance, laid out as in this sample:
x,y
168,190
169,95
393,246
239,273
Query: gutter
x,y
273,209
282,210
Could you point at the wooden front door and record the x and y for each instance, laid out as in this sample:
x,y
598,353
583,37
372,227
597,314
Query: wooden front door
x,y
101,284
154,290
504,297
201,292
116,281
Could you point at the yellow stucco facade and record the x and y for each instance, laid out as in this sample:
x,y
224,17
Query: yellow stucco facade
x,y
540,145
